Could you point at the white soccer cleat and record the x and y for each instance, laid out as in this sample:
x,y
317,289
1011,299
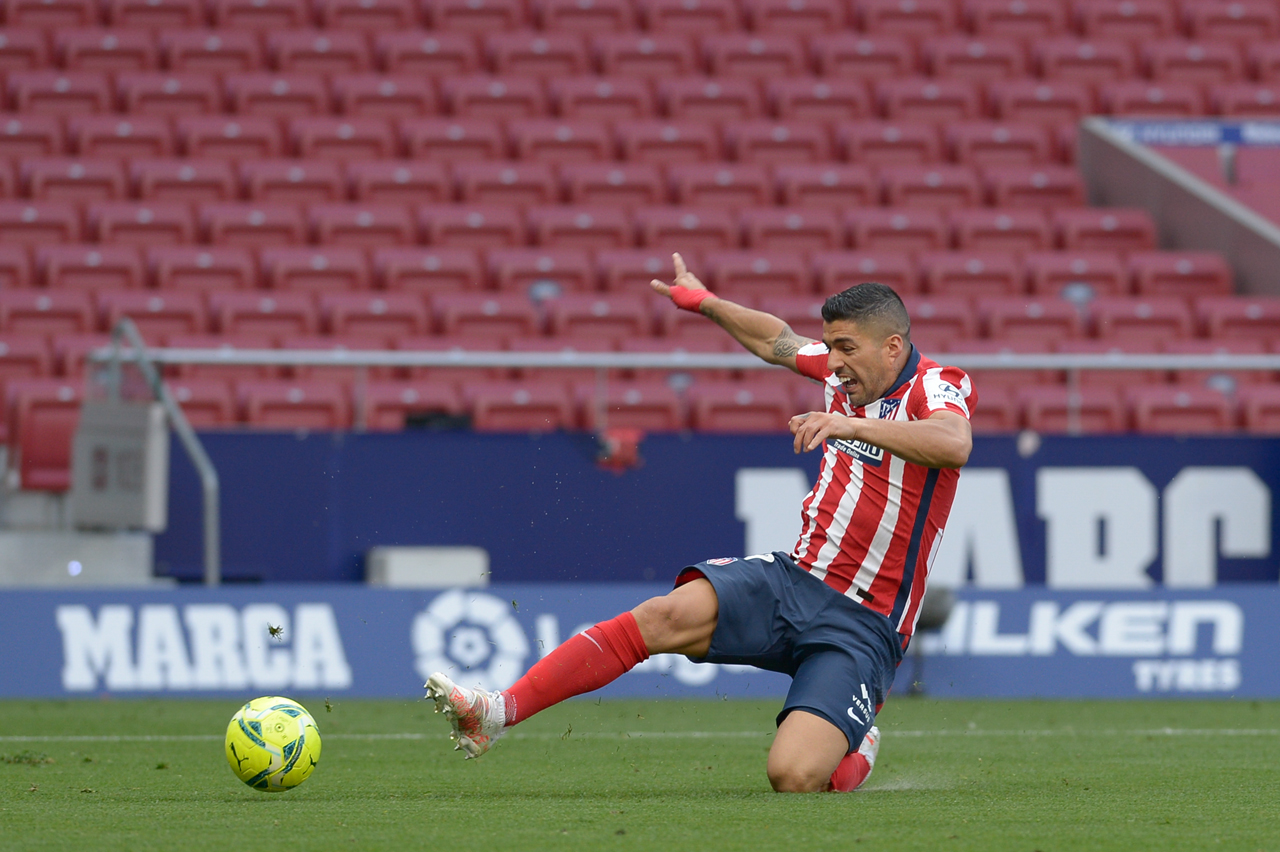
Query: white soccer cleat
x,y
870,747
478,717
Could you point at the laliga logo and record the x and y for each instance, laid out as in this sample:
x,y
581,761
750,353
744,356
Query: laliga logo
x,y
473,633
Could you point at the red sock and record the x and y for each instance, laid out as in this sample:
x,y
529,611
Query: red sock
x,y
584,662
851,772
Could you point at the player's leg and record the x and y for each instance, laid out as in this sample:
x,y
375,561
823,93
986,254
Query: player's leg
x,y
805,753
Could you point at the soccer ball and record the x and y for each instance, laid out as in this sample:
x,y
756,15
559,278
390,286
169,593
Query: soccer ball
x,y
272,744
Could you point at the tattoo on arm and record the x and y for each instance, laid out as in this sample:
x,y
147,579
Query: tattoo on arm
x,y
788,343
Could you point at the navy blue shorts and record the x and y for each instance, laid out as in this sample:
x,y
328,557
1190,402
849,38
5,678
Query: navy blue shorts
x,y
840,655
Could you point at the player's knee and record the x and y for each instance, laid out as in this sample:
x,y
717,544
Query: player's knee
x,y
659,620
792,778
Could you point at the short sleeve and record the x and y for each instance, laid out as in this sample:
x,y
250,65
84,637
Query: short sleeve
x,y
811,360
942,389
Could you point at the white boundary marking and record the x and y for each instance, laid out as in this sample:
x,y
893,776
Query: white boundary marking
x,y
682,735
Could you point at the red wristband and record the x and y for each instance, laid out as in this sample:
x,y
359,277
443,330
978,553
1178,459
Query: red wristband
x,y
687,299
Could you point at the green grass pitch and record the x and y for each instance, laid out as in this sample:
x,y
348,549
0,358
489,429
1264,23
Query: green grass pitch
x,y
649,775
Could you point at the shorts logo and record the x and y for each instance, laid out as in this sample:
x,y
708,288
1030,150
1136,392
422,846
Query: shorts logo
x,y
722,561
860,450
863,704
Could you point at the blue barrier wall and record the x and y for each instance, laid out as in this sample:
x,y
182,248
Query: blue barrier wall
x,y
1066,511
346,640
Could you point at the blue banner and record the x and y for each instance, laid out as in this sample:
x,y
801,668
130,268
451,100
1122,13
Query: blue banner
x,y
1199,133
344,640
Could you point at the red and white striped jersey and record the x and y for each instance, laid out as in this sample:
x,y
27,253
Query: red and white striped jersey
x,y
873,522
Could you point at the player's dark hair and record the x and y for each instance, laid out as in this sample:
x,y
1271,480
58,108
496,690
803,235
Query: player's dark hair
x,y
869,304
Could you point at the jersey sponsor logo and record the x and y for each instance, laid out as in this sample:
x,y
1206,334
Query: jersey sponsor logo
x,y
724,560
947,392
860,450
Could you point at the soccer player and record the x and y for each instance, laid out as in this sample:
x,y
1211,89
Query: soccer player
x,y
837,612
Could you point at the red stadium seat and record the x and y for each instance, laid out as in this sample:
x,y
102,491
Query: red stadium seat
x,y
770,142
928,99
644,55
393,406
838,271
810,99
1021,19
957,57
971,273
157,315
1152,320
363,225
1245,21
15,268
111,136
292,181
24,356
747,274
164,223
1016,230
998,412
422,270
1045,186
495,315
1085,60
54,13
687,228
340,373
23,50
792,230
710,99
714,184
31,136
825,185
314,269
1245,100
1193,62
1240,317
677,16
607,318
318,51
650,406
1097,410
898,229
881,143
908,18
520,406
594,228
553,141
71,352
1180,273
202,268
989,143
502,98
934,186
383,96
1056,102
320,405
810,17
1102,273
206,403
269,315
209,51
678,347
1219,378
399,182
104,50
543,273
1137,21
601,99
536,54
59,92
1117,379
162,93
43,415
90,268
263,15
1136,97
471,225
252,224
613,184
845,55
1111,229
225,346
937,320
39,222
454,346
1260,409
1020,318
427,55
754,55
325,137
802,313
667,142
631,270
1181,410
1008,381
347,15
593,17
451,140
67,179
231,137
740,407
475,16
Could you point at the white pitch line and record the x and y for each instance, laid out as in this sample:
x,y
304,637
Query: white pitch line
x,y
679,735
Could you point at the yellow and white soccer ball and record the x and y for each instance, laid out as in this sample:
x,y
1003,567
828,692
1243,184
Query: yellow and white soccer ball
x,y
273,744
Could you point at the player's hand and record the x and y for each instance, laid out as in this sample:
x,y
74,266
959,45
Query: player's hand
x,y
817,426
686,290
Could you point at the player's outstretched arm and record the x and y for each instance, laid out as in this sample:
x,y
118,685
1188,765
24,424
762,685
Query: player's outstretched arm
x,y
762,334
944,439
